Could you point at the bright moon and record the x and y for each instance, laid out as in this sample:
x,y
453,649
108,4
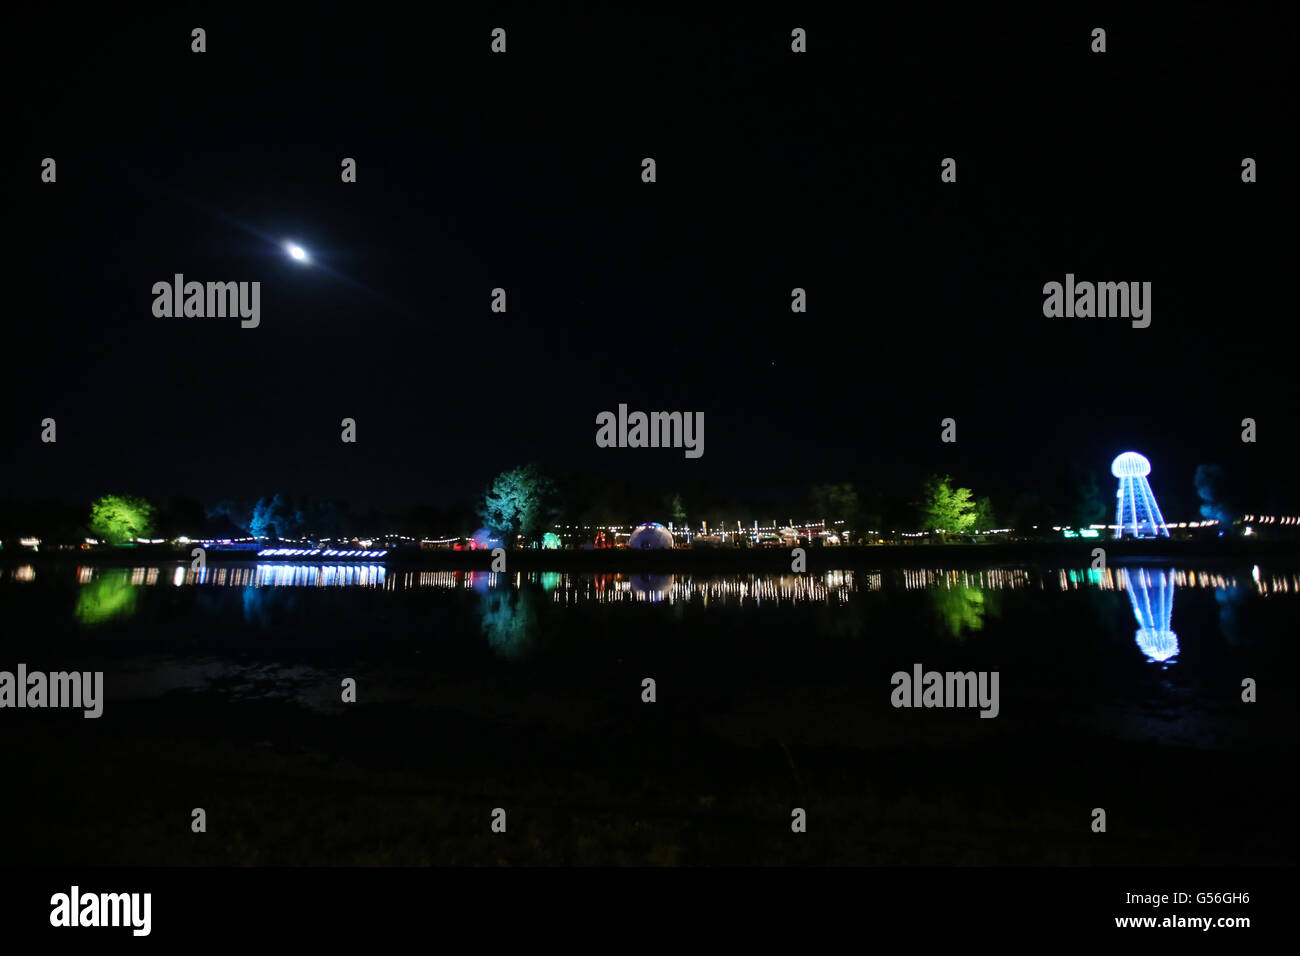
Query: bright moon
x,y
298,253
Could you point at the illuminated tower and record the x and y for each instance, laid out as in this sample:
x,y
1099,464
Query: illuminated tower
x,y
1152,596
1136,512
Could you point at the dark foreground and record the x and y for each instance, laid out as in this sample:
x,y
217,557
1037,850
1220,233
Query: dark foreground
x,y
383,786
523,698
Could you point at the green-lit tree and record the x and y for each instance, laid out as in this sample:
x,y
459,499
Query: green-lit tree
x,y
121,518
946,510
520,501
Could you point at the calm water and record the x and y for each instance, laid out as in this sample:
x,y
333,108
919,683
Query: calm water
x,y
1148,651
1119,689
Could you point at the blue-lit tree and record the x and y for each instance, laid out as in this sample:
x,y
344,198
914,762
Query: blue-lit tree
x,y
520,501
1211,488
275,518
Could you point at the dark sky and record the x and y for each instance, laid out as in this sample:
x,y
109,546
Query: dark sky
x,y
523,171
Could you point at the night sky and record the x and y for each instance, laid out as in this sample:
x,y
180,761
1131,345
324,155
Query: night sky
x,y
523,171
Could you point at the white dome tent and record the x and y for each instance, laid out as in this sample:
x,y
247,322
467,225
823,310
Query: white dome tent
x,y
650,536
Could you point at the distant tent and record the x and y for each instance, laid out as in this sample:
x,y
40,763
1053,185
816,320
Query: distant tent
x,y
483,539
650,536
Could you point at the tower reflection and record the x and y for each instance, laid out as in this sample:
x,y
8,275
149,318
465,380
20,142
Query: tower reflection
x,y
1152,595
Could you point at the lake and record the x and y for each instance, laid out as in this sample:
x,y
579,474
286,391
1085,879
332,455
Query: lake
x,y
1118,690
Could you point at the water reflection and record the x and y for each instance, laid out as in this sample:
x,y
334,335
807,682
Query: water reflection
x,y
110,595
651,587
256,606
963,602
1230,600
509,621
209,628
962,609
742,589
289,575
1151,592
828,586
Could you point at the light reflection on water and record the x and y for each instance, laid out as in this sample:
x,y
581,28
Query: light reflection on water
x,y
962,601
1152,595
738,589
110,595
277,630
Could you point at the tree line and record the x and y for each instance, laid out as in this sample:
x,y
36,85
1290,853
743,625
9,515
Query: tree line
x,y
528,500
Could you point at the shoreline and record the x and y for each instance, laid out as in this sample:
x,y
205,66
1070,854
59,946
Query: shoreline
x,y
769,560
